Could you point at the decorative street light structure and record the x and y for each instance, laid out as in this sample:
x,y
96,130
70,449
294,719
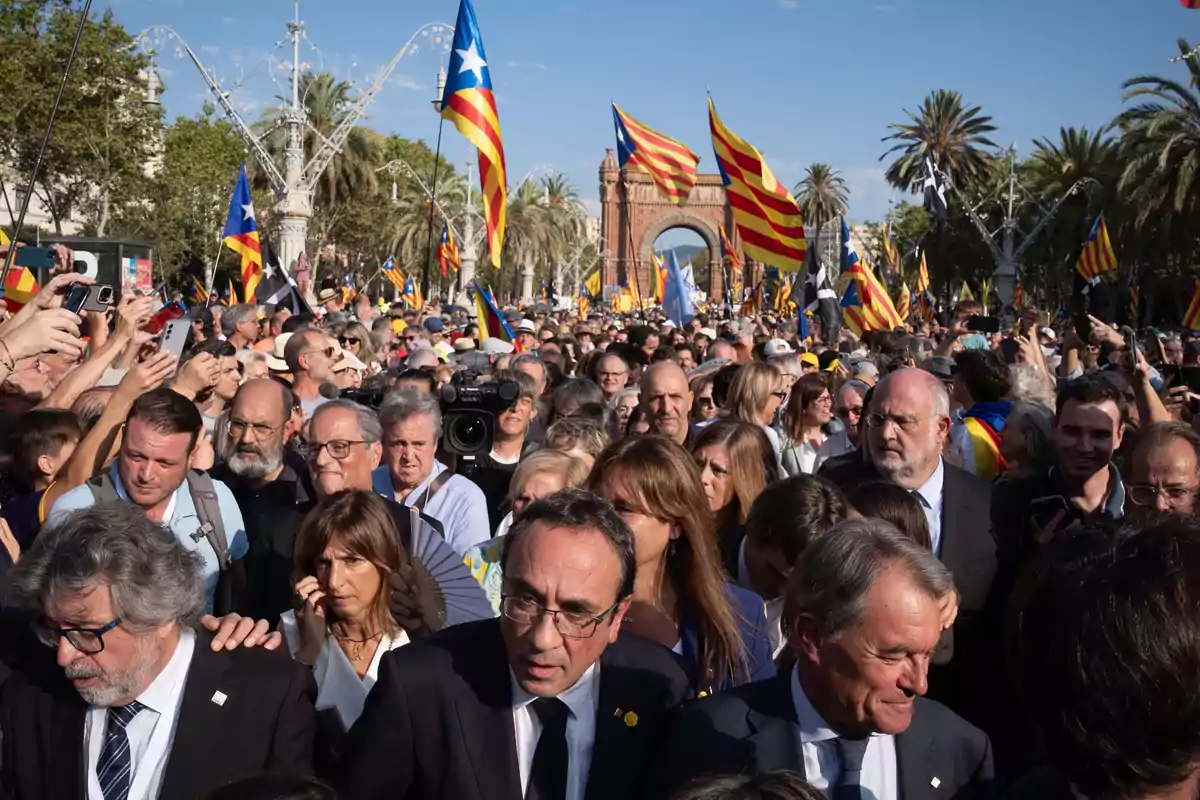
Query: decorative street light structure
x,y
294,186
1006,253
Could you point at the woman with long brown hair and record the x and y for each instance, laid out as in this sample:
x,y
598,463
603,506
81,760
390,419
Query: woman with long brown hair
x,y
345,550
681,597
809,411
736,463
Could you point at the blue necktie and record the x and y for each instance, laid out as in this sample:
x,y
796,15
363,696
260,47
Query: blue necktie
x,y
115,767
849,787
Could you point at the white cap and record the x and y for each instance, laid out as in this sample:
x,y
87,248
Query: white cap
x,y
1047,332
527,326
668,323
709,332
777,347
349,361
495,347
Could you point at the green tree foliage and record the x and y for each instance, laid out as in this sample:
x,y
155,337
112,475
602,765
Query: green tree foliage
x,y
104,135
822,195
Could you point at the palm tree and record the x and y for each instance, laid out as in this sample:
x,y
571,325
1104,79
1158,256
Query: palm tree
x,y
1079,153
525,235
1162,151
822,195
945,132
327,102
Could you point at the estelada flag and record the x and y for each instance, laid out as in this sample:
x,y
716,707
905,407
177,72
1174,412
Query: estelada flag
x,y
241,234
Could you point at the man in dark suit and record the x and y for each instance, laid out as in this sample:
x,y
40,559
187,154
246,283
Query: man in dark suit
x,y
863,613
546,702
138,704
907,424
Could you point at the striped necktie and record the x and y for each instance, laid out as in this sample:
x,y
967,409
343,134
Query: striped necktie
x,y
115,768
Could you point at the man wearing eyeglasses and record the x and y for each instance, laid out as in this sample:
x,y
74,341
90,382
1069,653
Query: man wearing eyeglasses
x,y
545,702
139,705
907,426
310,356
1164,470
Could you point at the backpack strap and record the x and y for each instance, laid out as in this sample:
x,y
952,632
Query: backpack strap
x,y
103,488
432,489
208,510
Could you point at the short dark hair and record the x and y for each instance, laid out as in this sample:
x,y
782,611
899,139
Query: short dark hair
x,y
43,432
1107,649
892,502
985,374
664,352
638,335
1090,390
168,412
297,322
793,512
778,785
1159,434
722,380
217,348
419,374
580,509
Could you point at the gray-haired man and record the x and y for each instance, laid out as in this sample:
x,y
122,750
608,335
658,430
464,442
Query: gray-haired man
x,y
863,612
138,705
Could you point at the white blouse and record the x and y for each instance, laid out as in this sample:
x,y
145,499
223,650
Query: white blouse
x,y
338,685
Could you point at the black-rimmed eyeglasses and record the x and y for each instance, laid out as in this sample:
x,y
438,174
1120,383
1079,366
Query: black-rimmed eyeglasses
x,y
569,624
88,641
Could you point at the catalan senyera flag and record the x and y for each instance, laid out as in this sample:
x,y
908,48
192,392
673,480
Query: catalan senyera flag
x,y
890,254
878,313
241,233
448,251
469,103
1098,256
4,240
754,301
670,164
783,297
1191,317
393,274
735,264
904,301
1018,291
491,322
925,302
19,288
659,277
766,214
199,293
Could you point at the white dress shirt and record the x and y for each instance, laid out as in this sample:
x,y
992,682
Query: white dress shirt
x,y
930,496
582,699
338,684
150,733
823,761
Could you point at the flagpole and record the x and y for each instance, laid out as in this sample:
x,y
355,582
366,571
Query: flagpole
x,y
211,277
633,251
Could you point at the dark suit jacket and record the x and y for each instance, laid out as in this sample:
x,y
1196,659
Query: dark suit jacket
x,y
266,724
965,659
439,722
753,729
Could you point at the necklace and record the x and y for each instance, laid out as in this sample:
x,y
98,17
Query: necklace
x,y
356,645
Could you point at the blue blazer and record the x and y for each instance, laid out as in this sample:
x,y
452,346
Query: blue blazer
x,y
751,618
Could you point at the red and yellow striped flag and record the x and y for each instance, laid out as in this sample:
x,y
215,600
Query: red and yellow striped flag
x,y
670,164
1191,319
903,301
890,254
469,103
767,217
1097,257
878,313
735,265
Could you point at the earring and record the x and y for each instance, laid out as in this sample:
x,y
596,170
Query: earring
x,y
671,550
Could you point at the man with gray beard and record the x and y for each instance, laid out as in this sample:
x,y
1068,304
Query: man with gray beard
x,y
139,704
272,489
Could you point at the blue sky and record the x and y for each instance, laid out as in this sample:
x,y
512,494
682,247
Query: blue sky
x,y
803,80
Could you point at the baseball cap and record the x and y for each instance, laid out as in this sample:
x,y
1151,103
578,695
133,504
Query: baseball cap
x,y
810,359
709,332
777,347
434,324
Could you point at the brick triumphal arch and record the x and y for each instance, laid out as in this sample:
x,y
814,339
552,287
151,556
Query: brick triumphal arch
x,y
634,213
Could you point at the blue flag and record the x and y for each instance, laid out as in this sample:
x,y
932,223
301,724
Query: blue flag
x,y
677,303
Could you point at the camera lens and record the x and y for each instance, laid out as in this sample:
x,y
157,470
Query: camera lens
x,y
468,433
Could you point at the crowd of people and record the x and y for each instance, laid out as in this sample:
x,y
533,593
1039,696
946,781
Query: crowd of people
x,y
722,562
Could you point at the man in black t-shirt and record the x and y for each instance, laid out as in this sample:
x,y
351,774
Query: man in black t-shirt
x,y
493,472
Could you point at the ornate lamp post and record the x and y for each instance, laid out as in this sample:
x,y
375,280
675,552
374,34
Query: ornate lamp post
x,y
294,186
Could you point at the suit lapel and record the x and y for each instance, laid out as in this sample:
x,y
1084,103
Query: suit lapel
x,y
625,731
65,743
775,730
914,760
486,722
950,545
201,725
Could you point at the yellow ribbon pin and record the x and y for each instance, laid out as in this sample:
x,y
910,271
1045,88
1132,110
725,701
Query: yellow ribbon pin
x,y
630,719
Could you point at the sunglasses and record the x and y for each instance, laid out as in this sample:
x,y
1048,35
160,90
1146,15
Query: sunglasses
x,y
348,340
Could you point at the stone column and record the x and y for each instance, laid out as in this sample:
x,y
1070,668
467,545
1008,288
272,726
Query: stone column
x,y
527,282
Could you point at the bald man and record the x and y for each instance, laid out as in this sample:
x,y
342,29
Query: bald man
x,y
666,399
907,425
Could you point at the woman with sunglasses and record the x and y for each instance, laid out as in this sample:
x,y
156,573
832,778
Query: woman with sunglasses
x,y
356,339
754,396
704,407
681,597
808,412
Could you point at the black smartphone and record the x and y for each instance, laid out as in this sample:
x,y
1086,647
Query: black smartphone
x,y
1083,327
34,258
980,324
94,297
1009,348
1043,510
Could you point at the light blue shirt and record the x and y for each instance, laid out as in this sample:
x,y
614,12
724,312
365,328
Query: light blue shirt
x,y
460,506
930,496
184,523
